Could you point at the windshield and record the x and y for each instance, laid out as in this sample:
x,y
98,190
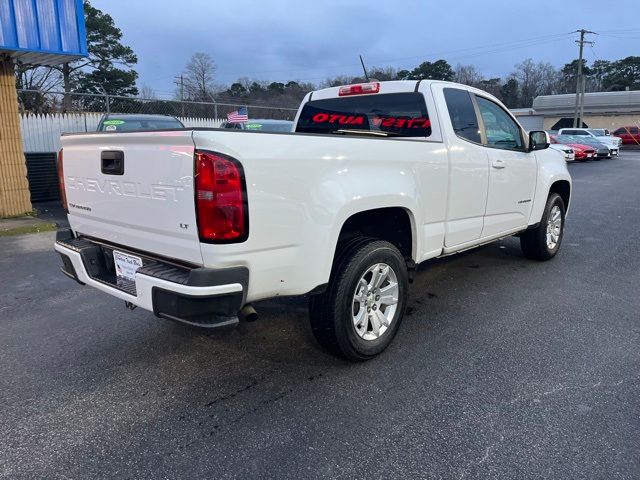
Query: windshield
x,y
567,139
283,126
115,124
576,132
401,114
598,132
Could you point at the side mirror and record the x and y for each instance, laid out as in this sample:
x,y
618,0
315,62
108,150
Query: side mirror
x,y
538,140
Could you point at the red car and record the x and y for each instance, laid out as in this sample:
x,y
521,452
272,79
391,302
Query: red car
x,y
582,152
629,135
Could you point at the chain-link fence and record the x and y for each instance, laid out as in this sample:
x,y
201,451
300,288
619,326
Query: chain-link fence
x,y
46,115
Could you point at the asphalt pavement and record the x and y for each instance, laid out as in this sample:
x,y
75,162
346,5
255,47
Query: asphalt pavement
x,y
503,368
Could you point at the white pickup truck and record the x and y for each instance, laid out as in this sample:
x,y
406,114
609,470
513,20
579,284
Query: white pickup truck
x,y
196,224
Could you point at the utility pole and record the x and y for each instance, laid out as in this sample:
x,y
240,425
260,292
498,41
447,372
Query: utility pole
x,y
580,82
179,81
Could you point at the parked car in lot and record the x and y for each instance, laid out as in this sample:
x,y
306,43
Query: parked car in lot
x,y
582,152
567,152
261,125
589,133
600,132
130,122
603,150
198,224
628,135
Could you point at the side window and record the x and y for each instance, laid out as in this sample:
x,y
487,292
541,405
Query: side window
x,y
634,130
462,114
501,130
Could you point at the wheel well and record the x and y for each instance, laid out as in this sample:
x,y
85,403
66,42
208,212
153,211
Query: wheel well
x,y
562,188
391,224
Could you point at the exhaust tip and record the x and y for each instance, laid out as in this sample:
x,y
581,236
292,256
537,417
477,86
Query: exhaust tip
x,y
248,314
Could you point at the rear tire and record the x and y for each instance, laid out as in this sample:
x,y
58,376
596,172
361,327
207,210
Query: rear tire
x,y
363,306
543,242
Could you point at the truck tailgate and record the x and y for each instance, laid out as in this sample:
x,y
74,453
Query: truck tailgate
x,y
146,202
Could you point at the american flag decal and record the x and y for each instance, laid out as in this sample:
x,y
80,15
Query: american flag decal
x,y
237,116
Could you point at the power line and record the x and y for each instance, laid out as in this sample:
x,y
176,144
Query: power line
x,y
632,30
626,37
353,70
495,47
467,52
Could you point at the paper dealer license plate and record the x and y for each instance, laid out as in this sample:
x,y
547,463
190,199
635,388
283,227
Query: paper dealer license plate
x,y
126,265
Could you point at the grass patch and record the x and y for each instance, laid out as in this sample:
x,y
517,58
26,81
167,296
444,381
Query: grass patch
x,y
44,227
31,213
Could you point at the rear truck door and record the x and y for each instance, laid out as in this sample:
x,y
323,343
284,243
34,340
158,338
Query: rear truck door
x,y
134,190
468,166
512,172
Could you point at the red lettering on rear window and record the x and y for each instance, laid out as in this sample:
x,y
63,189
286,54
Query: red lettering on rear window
x,y
397,114
389,122
340,119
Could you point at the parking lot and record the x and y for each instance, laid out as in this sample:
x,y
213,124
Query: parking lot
x,y
503,368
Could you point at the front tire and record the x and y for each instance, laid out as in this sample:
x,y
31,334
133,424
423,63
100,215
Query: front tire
x,y
363,306
543,242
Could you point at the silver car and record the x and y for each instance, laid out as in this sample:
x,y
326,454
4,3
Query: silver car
x,y
590,133
566,151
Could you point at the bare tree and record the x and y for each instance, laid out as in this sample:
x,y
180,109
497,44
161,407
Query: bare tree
x,y
467,74
38,80
31,77
535,79
340,80
198,78
147,93
382,74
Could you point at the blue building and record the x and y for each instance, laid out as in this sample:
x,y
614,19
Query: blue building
x,y
43,32
36,32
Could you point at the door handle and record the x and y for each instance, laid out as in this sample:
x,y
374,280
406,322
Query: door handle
x,y
498,163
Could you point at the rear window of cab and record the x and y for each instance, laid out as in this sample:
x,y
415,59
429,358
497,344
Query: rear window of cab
x,y
130,125
391,114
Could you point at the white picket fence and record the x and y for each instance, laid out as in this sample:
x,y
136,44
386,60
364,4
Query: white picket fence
x,y
41,132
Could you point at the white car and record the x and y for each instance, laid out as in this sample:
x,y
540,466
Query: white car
x,y
567,152
597,134
195,225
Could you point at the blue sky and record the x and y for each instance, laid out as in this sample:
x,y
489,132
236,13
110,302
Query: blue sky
x,y
310,41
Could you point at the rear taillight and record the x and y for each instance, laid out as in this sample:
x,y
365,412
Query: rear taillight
x,y
63,195
359,89
221,200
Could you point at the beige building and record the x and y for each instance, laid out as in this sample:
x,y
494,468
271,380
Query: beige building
x,y
609,110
